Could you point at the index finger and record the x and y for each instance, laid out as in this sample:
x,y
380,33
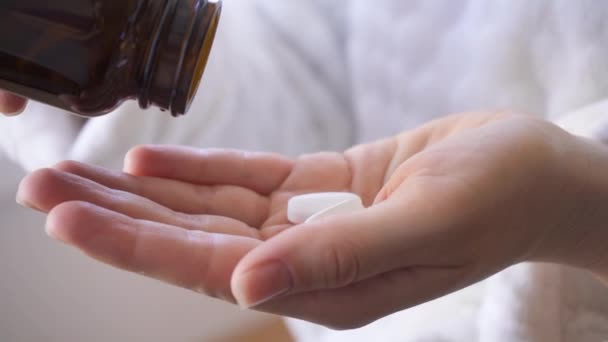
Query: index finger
x,y
260,172
11,104
195,260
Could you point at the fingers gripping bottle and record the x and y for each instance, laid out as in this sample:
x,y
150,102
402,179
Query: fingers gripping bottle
x,y
88,56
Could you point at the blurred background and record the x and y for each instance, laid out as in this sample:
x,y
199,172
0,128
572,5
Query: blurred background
x,y
301,76
48,292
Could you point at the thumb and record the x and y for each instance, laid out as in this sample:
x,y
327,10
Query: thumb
x,y
329,254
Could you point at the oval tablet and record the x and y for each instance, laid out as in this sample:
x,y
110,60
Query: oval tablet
x,y
301,208
348,206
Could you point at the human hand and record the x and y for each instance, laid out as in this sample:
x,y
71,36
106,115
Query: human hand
x,y
449,203
10,104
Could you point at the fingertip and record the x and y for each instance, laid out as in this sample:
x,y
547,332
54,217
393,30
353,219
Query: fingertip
x,y
22,197
52,225
260,284
34,189
66,221
138,156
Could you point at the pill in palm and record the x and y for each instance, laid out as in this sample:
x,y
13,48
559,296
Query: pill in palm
x,y
311,207
348,206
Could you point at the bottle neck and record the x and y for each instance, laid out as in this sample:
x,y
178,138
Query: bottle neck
x,y
176,55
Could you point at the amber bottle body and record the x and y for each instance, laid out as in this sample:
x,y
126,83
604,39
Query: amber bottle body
x,y
88,56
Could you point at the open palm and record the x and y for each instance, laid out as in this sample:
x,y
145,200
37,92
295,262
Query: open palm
x,y
170,195
202,219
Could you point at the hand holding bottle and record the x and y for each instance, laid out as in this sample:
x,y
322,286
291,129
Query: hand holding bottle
x,y
10,104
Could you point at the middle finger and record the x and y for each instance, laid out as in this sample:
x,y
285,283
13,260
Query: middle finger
x,y
47,188
231,201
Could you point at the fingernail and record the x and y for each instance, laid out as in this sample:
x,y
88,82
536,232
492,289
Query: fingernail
x,y
263,283
22,202
25,203
127,164
51,233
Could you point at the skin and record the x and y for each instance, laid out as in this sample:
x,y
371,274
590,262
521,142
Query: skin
x,y
10,104
450,203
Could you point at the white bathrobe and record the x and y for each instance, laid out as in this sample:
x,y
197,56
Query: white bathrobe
x,y
301,76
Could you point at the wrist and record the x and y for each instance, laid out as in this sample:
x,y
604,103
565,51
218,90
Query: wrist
x,y
580,238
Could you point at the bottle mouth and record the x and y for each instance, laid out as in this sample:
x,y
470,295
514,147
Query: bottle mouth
x,y
176,63
203,58
196,56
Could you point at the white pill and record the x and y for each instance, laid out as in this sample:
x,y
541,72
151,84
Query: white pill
x,y
301,208
346,207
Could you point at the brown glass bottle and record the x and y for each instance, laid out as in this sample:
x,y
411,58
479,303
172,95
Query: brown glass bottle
x,y
88,56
